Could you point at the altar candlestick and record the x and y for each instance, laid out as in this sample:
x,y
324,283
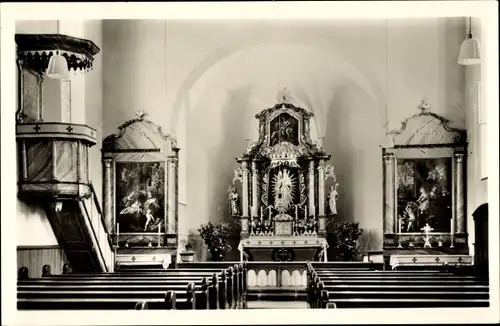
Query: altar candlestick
x,y
117,234
159,234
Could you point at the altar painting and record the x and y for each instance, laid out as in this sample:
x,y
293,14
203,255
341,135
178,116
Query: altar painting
x,y
284,128
424,194
140,196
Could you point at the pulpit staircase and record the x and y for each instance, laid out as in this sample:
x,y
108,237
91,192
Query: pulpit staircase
x,y
79,229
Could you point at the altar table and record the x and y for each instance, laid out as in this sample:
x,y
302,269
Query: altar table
x,y
285,242
430,260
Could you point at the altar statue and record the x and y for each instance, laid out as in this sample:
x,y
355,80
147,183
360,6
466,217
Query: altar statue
x,y
234,201
333,195
283,189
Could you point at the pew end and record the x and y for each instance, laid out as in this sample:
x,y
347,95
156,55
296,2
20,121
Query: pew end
x,y
23,273
170,300
141,305
66,269
46,270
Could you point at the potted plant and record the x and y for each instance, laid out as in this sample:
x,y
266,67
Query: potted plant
x,y
344,240
216,237
187,256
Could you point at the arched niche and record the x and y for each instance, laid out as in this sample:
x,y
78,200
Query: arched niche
x,y
424,184
141,185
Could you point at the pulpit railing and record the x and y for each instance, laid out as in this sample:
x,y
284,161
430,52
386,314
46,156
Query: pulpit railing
x,y
97,229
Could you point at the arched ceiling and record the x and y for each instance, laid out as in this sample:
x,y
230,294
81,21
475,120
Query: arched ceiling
x,y
310,68
311,74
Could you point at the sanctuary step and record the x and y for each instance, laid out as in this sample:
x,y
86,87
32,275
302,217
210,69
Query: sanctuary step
x,y
276,294
276,298
277,305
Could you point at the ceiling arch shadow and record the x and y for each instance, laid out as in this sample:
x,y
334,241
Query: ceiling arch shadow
x,y
320,43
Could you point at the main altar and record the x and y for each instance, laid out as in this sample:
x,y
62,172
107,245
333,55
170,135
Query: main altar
x,y
282,209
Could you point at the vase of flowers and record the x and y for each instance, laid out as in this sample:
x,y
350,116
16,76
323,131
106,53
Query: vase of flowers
x,y
188,254
344,240
216,237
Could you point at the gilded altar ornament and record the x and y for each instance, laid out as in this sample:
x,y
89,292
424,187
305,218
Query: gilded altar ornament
x,y
333,195
238,175
330,172
234,201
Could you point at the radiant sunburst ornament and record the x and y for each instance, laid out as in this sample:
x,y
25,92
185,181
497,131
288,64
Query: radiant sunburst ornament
x,y
283,190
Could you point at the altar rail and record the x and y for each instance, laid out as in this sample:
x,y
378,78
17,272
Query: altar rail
x,y
280,274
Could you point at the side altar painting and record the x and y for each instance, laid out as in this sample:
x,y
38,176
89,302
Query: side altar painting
x,y
140,181
424,185
424,194
140,196
284,202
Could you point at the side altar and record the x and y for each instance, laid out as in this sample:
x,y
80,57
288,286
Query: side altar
x,y
282,209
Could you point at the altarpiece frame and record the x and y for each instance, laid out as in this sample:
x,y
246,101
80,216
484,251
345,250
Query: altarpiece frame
x,y
141,185
424,186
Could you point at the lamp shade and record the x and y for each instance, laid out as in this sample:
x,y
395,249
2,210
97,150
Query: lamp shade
x,y
58,67
469,52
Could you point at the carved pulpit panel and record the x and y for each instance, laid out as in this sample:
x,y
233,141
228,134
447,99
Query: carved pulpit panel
x,y
141,173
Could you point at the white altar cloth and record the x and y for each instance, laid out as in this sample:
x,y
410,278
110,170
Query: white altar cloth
x,y
283,242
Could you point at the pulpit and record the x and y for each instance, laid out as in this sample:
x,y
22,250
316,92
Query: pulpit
x,y
282,208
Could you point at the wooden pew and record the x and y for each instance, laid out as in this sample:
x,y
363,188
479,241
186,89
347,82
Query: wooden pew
x,y
228,285
374,289
220,292
80,297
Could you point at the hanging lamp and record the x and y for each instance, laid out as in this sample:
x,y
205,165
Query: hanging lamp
x,y
469,50
58,66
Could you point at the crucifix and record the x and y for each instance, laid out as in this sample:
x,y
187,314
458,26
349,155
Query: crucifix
x,y
427,229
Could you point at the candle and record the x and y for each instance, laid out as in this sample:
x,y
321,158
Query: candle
x,y
261,211
400,225
117,234
296,211
305,211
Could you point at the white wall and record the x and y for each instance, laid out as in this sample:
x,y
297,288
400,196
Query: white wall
x,y
477,190
355,75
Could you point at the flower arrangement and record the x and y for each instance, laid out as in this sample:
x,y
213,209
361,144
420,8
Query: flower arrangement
x,y
216,238
344,239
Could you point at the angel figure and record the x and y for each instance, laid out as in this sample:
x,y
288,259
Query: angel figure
x,y
234,201
412,219
150,206
133,206
333,195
